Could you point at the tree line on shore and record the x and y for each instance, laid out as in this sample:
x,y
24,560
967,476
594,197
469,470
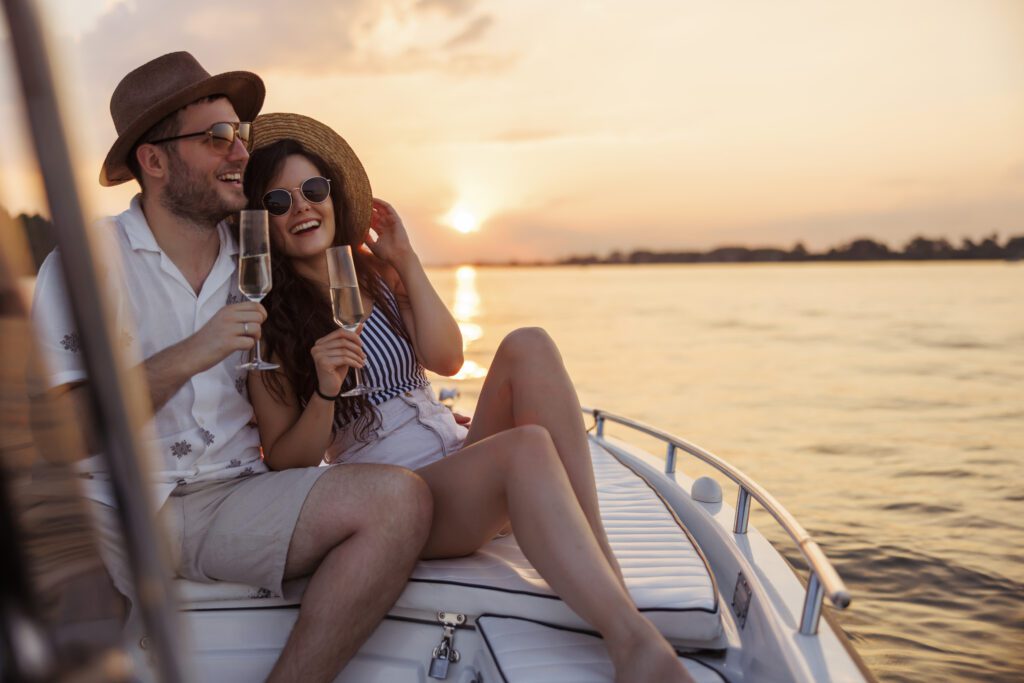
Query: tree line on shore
x,y
863,249
39,231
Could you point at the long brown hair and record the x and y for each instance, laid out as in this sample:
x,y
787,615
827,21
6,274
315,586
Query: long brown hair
x,y
298,312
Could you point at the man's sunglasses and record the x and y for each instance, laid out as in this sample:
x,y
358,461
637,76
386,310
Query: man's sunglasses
x,y
315,190
222,135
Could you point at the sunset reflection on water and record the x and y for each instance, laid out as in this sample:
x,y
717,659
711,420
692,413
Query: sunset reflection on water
x,y
466,307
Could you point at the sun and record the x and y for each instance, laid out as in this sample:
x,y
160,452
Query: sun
x,y
462,220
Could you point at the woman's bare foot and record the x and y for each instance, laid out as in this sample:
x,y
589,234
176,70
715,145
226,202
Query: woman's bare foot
x,y
648,658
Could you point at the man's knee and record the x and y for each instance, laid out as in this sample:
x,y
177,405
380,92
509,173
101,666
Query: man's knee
x,y
400,506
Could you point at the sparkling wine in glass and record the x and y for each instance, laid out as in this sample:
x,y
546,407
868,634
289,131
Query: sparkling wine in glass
x,y
346,303
254,269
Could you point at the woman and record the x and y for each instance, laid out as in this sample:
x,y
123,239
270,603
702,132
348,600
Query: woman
x,y
524,460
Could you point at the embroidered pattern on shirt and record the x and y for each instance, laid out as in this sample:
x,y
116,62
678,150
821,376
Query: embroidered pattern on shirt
x,y
71,342
245,473
240,384
235,462
206,435
179,449
234,298
260,594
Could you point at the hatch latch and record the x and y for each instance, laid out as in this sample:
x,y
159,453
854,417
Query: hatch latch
x,y
445,653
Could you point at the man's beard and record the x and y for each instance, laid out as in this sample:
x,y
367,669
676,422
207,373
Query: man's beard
x,y
191,196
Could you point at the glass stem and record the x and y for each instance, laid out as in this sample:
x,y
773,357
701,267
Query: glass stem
x,y
259,356
359,377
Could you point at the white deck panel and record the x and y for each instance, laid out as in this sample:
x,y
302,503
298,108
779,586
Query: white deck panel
x,y
526,652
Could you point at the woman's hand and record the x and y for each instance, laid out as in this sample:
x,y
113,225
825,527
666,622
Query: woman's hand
x,y
392,244
333,355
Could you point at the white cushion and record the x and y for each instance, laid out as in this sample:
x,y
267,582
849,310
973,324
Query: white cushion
x,y
667,576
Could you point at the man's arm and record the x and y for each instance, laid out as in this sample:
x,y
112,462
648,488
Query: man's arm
x,y
165,372
234,328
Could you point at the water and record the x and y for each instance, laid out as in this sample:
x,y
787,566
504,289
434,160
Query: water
x,y
883,404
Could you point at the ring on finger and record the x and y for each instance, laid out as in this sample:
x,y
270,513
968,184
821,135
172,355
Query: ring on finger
x,y
245,329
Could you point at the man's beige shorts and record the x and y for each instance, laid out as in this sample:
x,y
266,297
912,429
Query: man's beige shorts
x,y
237,530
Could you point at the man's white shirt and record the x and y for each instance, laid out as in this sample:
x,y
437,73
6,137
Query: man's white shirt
x,y
205,431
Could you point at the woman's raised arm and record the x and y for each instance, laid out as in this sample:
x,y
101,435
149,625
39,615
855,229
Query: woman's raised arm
x,y
435,334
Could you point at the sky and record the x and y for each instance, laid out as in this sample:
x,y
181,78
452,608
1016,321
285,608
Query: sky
x,y
531,129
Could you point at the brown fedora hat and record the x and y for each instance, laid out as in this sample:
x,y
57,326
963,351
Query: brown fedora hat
x,y
325,143
161,87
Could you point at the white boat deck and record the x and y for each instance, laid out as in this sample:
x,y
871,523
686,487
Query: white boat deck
x,y
517,630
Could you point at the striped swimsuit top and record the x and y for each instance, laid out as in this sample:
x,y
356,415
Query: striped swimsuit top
x,y
391,365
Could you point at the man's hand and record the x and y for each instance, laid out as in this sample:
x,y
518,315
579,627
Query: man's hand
x,y
235,327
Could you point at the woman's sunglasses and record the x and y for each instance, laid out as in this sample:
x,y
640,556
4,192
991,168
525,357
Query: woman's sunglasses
x,y
222,135
315,190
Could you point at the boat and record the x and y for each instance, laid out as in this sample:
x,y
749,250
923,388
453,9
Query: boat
x,y
719,591
724,596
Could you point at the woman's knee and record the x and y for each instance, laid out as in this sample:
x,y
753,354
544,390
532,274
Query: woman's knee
x,y
533,446
528,343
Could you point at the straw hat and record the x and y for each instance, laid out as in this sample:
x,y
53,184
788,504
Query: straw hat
x,y
163,86
324,142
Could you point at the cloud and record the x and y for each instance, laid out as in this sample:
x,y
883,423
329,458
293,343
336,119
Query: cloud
x,y
321,37
472,33
451,8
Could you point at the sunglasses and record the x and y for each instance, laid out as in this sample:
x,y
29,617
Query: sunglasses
x,y
314,190
222,135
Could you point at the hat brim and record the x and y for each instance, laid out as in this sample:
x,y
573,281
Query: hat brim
x,y
243,89
324,142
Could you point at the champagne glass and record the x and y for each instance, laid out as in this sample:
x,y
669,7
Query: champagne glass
x,y
346,303
254,269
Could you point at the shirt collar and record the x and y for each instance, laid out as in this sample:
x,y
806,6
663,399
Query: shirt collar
x,y
141,238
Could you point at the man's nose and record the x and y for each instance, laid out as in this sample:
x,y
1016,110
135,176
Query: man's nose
x,y
238,150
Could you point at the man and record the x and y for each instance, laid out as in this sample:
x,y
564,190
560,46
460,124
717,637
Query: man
x,y
229,518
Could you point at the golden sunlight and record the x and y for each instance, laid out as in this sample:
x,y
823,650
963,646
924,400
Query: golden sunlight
x,y
462,220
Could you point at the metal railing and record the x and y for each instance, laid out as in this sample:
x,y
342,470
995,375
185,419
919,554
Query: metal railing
x,y
823,580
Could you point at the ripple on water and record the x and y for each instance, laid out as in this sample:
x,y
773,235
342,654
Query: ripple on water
x,y
921,508
850,448
960,343
955,473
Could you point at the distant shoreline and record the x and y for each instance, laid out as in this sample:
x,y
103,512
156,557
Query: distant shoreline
x,y
858,251
39,231
559,264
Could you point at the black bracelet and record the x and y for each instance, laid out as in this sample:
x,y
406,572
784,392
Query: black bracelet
x,y
327,397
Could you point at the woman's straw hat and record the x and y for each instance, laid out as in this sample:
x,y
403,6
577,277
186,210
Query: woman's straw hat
x,y
161,87
325,143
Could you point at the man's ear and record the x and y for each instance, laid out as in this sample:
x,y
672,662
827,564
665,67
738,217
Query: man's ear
x,y
152,160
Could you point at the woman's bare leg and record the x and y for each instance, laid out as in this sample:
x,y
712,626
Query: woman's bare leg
x,y
517,476
527,384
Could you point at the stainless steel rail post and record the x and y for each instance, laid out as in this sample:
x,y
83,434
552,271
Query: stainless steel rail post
x,y
739,525
670,460
118,417
811,613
